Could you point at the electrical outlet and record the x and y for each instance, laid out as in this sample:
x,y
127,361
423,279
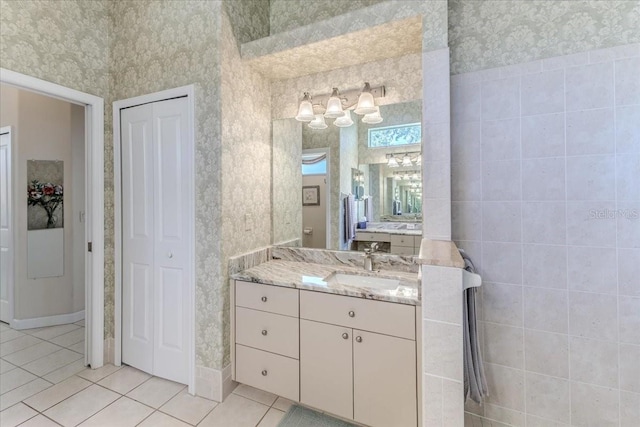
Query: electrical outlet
x,y
247,222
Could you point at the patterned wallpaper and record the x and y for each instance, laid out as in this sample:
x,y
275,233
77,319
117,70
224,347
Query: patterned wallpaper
x,y
160,45
289,14
246,169
287,180
249,19
486,34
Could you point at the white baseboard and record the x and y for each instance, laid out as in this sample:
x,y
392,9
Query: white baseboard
x,y
40,322
228,384
108,352
214,384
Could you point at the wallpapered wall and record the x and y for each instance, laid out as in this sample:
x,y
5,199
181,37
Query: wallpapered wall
x,y
486,34
249,19
246,167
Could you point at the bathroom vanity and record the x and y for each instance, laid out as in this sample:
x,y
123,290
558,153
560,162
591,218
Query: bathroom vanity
x,y
335,338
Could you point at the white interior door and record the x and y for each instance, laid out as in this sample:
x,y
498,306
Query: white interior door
x,y
5,225
155,239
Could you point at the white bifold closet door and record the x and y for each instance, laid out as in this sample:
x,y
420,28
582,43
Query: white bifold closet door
x,y
155,239
5,225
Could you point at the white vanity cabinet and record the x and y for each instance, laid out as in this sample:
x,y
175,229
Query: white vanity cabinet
x,y
348,356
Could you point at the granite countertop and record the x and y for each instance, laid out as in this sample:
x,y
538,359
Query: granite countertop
x,y
403,232
393,228
310,276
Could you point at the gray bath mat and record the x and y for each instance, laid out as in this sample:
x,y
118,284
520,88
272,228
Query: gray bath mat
x,y
297,416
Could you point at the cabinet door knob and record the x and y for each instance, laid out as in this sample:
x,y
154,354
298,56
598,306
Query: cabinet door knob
x,y
264,332
359,339
345,336
264,373
169,254
352,314
264,299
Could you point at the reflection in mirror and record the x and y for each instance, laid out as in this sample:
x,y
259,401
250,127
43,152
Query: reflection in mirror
x,y
370,170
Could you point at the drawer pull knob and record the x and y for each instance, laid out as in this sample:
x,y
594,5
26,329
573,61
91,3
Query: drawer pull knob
x,y
345,336
359,339
352,314
264,373
264,332
264,299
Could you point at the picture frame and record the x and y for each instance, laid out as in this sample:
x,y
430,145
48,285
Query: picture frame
x,y
310,195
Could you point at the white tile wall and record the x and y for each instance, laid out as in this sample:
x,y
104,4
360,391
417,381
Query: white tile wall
x,y
546,199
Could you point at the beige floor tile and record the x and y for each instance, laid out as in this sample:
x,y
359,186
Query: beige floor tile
x,y
54,331
15,378
19,394
16,415
190,409
96,375
18,344
260,396
56,394
70,338
283,404
79,407
236,411
158,419
272,418
124,380
155,392
5,366
77,347
32,353
51,362
40,421
124,412
9,335
66,371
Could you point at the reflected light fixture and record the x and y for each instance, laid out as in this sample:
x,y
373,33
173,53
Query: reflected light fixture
x,y
318,122
334,106
406,176
366,104
373,118
305,110
406,161
344,121
415,176
391,161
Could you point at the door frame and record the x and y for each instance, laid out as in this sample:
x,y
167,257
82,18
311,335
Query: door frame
x,y
94,202
10,260
327,193
189,92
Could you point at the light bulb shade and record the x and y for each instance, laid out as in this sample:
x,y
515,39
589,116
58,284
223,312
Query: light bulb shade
x,y
397,177
372,118
415,176
305,110
366,105
406,161
406,176
392,162
318,122
334,106
344,121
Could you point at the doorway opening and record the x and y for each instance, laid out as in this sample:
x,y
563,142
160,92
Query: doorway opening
x,y
316,211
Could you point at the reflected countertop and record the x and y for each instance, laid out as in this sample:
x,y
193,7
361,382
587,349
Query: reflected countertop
x,y
310,276
393,228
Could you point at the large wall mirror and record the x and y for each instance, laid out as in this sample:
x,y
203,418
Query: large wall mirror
x,y
365,176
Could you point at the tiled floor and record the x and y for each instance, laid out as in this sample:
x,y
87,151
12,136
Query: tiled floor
x,y
43,383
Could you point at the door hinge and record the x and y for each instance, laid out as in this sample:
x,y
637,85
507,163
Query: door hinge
x,y
90,246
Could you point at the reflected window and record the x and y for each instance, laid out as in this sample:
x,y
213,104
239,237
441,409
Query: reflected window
x,y
393,136
317,168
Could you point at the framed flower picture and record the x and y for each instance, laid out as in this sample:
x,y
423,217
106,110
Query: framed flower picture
x,y
45,194
311,195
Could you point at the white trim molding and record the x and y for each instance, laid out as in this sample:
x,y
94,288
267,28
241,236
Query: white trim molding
x,y
94,204
189,92
40,322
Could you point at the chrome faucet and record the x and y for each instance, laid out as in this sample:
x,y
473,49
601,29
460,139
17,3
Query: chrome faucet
x,y
368,259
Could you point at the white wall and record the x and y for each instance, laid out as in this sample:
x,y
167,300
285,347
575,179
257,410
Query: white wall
x,y
78,198
43,131
546,199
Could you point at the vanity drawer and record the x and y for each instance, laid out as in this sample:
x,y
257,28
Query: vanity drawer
x,y
375,316
269,372
402,250
402,240
267,331
273,299
372,237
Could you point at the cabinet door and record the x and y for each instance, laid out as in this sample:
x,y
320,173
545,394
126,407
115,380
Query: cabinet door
x,y
326,371
384,380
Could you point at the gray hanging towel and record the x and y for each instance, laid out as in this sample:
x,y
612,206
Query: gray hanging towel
x,y
475,383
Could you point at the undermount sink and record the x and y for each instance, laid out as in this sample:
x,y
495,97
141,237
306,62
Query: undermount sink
x,y
362,281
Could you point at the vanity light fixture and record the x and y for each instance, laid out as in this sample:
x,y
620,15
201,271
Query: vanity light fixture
x,y
391,161
415,176
305,110
406,161
406,176
337,105
344,121
397,176
318,122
